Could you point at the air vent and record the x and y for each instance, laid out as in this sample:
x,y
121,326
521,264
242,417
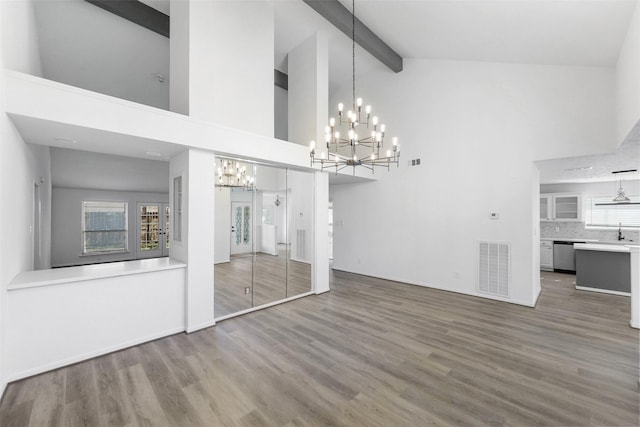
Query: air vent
x,y
493,268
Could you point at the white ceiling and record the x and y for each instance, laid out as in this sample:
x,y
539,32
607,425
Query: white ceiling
x,y
85,46
595,168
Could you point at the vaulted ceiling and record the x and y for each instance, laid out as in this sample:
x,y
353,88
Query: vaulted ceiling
x,y
88,47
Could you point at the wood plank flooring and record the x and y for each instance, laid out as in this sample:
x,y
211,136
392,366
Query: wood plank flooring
x,y
368,353
269,278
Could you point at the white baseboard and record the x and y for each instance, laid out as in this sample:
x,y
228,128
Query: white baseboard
x,y
89,355
603,291
200,326
3,387
260,307
440,288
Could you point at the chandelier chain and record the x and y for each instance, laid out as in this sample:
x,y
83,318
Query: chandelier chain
x,y
353,51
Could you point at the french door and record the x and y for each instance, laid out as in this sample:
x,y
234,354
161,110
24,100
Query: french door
x,y
241,230
153,222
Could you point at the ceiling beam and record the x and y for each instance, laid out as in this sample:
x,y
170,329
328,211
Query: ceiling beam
x,y
137,12
334,12
281,79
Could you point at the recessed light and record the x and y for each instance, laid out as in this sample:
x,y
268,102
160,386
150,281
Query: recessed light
x,y
583,168
153,154
65,140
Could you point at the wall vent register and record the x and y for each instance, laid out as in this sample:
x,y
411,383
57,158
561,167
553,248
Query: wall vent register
x,y
493,268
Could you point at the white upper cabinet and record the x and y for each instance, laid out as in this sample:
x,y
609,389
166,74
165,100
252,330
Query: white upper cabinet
x,y
560,207
546,211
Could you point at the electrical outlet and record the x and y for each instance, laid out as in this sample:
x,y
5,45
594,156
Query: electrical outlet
x,y
557,229
247,291
494,215
417,162
413,162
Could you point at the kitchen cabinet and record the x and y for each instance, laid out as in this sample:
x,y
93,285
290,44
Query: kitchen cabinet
x,y
560,207
546,202
546,255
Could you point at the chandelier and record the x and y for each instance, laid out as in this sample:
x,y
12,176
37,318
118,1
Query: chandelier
x,y
342,148
232,174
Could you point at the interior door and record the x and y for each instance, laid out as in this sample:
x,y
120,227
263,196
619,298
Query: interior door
x,y
241,230
153,230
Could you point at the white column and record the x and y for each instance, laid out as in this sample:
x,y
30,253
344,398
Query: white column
x,y
634,257
308,70
195,246
222,58
321,233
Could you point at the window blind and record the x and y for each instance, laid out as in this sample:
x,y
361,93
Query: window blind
x,y
613,215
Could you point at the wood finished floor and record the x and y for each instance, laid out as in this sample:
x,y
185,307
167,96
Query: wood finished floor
x,y
269,278
368,353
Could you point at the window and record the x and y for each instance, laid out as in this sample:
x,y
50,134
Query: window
x,y
609,215
104,227
177,208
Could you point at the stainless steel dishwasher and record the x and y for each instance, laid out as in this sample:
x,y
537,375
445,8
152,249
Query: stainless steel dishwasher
x,y
564,256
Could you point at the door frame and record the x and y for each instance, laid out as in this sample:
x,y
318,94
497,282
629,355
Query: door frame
x,y
162,250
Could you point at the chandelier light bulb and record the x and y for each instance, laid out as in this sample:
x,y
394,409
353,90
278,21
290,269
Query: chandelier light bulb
x,y
312,145
395,141
343,152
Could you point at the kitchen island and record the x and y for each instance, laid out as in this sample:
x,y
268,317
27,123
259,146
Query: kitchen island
x,y
603,268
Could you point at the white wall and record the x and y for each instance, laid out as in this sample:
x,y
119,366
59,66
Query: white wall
x,y
66,223
628,83
18,164
196,247
20,50
308,65
477,128
53,326
83,169
230,63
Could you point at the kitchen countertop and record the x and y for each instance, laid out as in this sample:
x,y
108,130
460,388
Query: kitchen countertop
x,y
602,247
561,239
31,279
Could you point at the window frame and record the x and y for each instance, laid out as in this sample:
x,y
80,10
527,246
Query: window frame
x,y
83,231
608,226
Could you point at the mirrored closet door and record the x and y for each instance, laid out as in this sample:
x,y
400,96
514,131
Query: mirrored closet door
x,y
263,235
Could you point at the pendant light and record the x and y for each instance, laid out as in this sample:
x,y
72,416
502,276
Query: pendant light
x,y
361,143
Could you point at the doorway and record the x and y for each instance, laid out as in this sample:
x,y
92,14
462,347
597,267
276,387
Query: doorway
x,y
153,230
241,235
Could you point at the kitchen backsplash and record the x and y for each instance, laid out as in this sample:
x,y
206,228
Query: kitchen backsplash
x,y
576,230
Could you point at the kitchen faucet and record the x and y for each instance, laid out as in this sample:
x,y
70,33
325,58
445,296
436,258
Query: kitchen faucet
x,y
620,236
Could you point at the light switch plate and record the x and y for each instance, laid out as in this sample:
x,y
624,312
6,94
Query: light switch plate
x,y
494,215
